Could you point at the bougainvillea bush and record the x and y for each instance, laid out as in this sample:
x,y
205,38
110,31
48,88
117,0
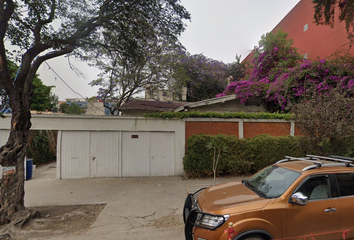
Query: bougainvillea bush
x,y
282,77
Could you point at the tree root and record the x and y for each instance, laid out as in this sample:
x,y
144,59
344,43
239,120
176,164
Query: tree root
x,y
18,221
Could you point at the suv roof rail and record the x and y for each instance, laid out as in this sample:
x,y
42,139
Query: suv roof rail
x,y
341,159
288,158
338,160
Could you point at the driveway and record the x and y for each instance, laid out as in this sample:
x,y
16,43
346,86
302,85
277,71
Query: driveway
x,y
137,208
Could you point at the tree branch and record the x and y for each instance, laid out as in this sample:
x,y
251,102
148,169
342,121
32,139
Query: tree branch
x,y
6,10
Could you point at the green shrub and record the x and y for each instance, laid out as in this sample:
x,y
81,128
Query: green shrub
x,y
242,115
38,148
245,156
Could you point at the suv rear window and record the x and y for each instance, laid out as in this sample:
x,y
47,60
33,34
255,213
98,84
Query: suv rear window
x,y
346,184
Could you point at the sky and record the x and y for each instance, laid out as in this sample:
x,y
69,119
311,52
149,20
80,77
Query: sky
x,y
219,29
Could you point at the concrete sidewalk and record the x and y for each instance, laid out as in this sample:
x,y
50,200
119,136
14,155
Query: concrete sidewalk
x,y
137,208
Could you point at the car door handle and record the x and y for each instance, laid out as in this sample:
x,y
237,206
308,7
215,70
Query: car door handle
x,y
330,210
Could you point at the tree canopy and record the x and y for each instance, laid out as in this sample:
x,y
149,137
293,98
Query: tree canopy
x,y
41,99
124,76
204,77
327,122
72,109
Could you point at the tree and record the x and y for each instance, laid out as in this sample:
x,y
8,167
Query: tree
x,y
218,148
204,77
42,98
274,57
42,30
327,121
273,54
237,69
72,109
125,75
325,12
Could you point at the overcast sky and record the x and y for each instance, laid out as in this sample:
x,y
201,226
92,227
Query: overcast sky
x,y
219,29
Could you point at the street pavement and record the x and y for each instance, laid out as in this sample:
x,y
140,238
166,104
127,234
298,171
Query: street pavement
x,y
137,208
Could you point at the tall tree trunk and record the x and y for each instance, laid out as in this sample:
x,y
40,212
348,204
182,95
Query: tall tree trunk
x,y
12,157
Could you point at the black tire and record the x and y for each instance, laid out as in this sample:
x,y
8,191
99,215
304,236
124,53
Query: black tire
x,y
253,237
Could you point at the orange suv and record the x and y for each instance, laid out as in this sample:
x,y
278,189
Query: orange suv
x,y
296,198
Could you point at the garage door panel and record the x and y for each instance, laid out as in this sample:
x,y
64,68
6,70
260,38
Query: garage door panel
x,y
75,154
161,154
135,154
104,157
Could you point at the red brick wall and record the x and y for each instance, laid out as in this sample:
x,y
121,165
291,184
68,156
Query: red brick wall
x,y
319,40
251,129
212,128
297,131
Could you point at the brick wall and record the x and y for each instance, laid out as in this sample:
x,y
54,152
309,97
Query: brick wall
x,y
241,128
274,129
212,128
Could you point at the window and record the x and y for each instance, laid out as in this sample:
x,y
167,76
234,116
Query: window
x,y
306,26
272,181
346,184
316,188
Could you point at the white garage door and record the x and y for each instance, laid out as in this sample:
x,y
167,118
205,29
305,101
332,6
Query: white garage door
x,y
75,154
147,154
87,154
104,154
162,154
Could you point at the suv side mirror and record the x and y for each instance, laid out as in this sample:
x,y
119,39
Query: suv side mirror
x,y
299,198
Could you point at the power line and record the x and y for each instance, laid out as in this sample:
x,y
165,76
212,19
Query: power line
x,y
50,68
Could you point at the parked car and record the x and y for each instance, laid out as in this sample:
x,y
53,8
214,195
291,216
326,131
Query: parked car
x,y
296,198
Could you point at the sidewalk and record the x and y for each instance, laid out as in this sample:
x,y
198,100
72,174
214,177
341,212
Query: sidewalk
x,y
137,208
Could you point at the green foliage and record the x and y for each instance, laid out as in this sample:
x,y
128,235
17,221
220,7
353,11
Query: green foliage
x,y
244,156
274,53
218,148
72,109
327,121
242,115
42,99
38,148
237,69
204,77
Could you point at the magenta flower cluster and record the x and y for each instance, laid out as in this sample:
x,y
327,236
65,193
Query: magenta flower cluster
x,y
287,85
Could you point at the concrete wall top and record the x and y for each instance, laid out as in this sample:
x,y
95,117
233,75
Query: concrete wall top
x,y
97,123
235,120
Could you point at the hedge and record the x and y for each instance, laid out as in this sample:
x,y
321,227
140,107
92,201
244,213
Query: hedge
x,y
242,115
244,156
38,148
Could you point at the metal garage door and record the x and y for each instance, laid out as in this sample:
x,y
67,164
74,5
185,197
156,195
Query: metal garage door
x,y
89,154
135,154
75,154
161,154
147,154
104,154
